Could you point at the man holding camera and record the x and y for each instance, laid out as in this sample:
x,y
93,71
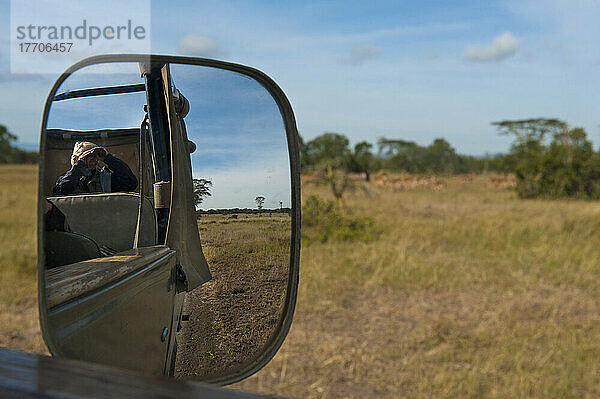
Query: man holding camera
x,y
86,175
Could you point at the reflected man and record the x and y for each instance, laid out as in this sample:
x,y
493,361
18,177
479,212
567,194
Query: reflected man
x,y
85,175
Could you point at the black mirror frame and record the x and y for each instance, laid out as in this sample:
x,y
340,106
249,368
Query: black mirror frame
x,y
285,108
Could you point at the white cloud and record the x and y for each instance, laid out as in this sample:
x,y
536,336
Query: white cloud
x,y
503,46
202,46
362,53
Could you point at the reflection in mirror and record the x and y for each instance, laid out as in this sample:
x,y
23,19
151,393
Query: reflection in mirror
x,y
91,170
242,193
139,169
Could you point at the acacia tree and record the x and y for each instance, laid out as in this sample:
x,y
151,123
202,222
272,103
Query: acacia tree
x,y
551,160
362,159
328,155
260,200
201,190
325,147
401,154
440,157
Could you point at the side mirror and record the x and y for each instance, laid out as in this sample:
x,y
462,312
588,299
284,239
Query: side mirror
x,y
169,216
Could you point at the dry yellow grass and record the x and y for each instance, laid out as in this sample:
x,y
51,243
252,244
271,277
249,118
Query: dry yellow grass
x,y
469,292
19,327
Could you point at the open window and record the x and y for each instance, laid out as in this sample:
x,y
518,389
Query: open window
x,y
92,218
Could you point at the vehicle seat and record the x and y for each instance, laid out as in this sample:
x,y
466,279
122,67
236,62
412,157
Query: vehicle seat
x,y
63,248
110,219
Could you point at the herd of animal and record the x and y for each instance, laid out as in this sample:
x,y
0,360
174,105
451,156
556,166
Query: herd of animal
x,y
409,182
389,182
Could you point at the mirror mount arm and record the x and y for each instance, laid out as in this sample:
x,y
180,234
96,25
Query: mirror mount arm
x,y
143,132
160,137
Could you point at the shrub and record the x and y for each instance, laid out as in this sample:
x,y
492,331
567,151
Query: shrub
x,y
551,160
323,220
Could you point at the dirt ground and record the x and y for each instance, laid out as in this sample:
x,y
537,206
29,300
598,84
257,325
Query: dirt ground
x,y
232,316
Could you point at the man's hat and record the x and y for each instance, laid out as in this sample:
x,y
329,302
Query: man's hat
x,y
82,149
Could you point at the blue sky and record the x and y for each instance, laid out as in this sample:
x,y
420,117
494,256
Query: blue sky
x,y
412,70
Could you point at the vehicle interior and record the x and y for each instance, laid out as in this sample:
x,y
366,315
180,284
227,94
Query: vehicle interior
x,y
97,220
101,229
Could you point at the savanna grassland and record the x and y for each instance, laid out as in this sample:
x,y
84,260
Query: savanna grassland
x,y
19,327
462,292
467,292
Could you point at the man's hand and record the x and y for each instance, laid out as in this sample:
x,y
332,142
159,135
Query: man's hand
x,y
100,153
81,163
89,161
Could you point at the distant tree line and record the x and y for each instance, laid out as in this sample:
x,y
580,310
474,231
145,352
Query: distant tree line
x,y
11,154
246,211
548,159
394,155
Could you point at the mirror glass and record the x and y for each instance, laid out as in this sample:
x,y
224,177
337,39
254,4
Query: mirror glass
x,y
166,217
